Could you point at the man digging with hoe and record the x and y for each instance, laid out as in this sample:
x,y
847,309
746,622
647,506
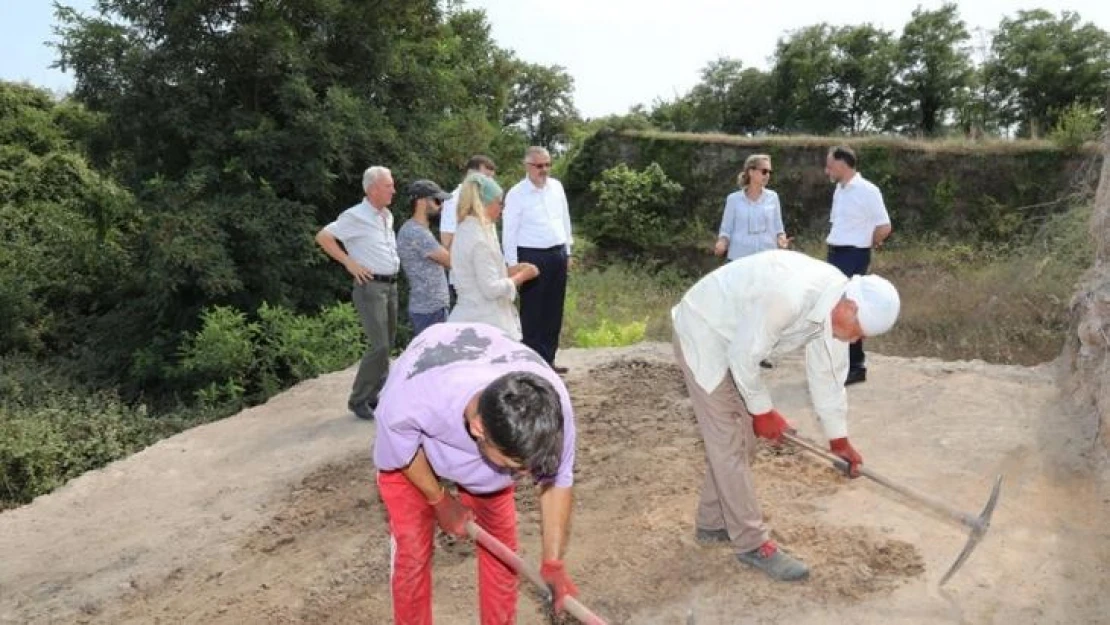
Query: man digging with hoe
x,y
466,403
751,309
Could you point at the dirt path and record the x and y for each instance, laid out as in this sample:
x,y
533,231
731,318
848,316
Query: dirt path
x,y
271,516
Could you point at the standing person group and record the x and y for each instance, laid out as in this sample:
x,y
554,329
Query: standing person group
x,y
537,232
476,398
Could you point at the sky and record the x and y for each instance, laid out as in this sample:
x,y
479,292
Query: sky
x,y
620,52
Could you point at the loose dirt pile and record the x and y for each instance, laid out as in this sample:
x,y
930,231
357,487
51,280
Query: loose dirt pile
x,y
216,527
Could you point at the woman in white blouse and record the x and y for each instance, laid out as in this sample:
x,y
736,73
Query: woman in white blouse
x,y
486,288
753,217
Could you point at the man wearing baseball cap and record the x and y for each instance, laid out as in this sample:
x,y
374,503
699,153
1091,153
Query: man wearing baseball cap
x,y
423,259
751,309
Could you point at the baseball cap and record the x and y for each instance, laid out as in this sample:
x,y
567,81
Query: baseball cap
x,y
877,302
426,188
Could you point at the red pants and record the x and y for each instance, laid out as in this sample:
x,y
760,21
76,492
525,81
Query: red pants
x,y
412,527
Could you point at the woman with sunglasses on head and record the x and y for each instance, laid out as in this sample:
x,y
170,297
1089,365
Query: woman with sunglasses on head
x,y
485,287
752,221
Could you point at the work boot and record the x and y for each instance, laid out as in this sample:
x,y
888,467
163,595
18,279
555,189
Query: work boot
x,y
365,410
855,376
710,537
778,565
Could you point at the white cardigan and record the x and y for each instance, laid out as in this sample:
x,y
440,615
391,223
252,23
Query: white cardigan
x,y
485,291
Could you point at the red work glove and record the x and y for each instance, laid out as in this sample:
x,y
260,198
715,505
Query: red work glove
x,y
770,425
451,514
844,449
555,574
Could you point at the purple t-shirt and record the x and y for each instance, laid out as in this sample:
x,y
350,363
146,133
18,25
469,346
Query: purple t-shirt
x,y
424,400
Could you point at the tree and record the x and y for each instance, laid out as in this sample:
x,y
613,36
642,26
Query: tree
x,y
864,72
1043,64
935,69
711,96
805,82
64,227
541,104
828,79
750,103
242,127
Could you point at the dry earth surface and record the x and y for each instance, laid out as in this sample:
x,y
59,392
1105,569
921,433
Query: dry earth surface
x,y
272,516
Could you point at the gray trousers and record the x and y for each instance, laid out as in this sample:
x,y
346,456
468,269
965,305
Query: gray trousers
x,y
728,498
376,303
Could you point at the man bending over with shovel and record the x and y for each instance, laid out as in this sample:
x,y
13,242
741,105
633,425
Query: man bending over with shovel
x,y
747,311
466,403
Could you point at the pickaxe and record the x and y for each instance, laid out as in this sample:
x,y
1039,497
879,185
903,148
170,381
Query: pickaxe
x,y
978,524
506,555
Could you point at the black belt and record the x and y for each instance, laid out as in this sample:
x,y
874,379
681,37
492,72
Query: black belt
x,y
841,248
544,249
380,278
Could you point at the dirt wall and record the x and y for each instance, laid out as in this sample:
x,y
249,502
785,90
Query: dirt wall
x,y
989,190
1086,361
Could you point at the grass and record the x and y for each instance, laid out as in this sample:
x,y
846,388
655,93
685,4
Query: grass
x,y
619,304
948,145
1005,304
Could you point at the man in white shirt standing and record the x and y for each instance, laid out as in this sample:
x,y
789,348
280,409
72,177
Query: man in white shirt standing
x,y
537,230
449,217
859,222
749,310
366,231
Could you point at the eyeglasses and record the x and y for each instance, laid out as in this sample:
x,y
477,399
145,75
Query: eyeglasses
x,y
765,172
540,165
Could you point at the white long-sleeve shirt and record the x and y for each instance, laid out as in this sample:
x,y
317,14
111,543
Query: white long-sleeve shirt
x,y
760,306
535,217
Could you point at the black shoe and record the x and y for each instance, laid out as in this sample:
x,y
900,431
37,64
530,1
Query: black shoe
x,y
856,376
365,411
766,364
560,370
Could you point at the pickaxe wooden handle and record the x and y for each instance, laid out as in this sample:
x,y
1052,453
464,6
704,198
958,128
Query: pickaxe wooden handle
x,y
978,524
506,555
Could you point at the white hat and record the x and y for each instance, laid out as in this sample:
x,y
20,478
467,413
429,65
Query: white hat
x,y
877,301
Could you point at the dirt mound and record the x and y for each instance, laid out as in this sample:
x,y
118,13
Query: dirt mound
x,y
273,517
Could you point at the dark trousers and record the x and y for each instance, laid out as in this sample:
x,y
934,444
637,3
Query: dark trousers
x,y
541,299
851,261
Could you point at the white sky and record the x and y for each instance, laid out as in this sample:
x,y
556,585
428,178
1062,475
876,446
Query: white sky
x,y
620,52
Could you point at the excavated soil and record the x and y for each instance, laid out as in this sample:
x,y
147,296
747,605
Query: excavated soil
x,y
276,519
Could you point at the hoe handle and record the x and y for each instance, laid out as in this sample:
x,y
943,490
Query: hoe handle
x,y
962,517
506,555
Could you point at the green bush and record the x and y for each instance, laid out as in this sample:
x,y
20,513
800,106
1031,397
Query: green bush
x,y
620,304
610,334
305,346
52,430
1078,124
635,210
233,361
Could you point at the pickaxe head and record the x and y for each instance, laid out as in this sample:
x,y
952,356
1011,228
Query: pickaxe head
x,y
979,526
